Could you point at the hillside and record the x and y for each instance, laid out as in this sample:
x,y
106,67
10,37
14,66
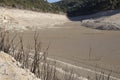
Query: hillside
x,y
86,7
15,19
70,7
107,20
35,5
29,20
10,69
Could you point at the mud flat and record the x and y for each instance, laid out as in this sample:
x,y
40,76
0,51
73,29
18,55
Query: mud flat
x,y
81,46
70,41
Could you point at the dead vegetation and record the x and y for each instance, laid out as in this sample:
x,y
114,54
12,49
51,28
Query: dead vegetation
x,y
35,59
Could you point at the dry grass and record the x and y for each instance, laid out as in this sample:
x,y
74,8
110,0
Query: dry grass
x,y
36,61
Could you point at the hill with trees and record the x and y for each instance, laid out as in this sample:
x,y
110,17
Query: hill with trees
x,y
84,7
71,7
36,5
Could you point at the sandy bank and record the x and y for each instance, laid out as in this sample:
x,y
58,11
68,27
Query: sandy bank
x,y
109,20
10,69
23,19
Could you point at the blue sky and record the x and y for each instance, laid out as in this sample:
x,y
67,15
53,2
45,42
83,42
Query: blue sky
x,y
53,1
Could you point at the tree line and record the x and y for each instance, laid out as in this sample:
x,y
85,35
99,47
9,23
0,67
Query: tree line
x,y
35,5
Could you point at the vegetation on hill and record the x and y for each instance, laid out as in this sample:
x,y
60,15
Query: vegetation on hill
x,y
71,7
36,5
84,7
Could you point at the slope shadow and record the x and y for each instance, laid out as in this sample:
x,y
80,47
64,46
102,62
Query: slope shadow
x,y
94,16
